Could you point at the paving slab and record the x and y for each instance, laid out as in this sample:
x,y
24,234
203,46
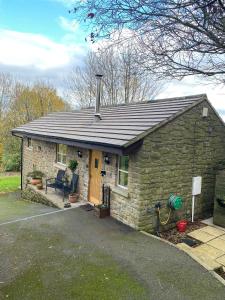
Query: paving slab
x,y
208,250
207,261
184,247
201,235
222,237
217,243
213,231
210,222
221,260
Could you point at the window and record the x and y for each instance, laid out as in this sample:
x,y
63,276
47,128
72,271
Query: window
x,y
29,142
96,163
61,151
123,171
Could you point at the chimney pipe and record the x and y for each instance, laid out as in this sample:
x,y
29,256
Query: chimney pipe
x,y
98,97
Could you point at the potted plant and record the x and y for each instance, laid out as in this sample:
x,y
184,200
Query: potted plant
x,y
36,177
40,186
73,165
102,210
73,196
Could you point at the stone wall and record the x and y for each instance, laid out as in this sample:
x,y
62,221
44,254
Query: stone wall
x,y
31,195
124,202
219,209
186,147
42,157
166,162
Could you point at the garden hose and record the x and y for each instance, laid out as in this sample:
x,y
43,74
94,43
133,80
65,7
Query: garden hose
x,y
160,220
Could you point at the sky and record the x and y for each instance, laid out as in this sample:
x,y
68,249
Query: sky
x,y
39,39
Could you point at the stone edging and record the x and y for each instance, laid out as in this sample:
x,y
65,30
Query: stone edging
x,y
190,254
30,194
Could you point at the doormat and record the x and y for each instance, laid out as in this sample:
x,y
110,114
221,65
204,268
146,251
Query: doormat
x,y
87,207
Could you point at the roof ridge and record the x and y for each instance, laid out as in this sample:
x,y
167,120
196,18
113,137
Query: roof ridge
x,y
146,102
183,97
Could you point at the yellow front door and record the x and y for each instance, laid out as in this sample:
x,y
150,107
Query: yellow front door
x,y
95,177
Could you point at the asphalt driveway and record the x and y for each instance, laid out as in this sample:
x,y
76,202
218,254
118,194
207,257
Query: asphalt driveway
x,y
74,255
12,208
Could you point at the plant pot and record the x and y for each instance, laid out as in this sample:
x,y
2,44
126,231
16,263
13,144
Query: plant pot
x,y
39,186
35,181
182,225
102,212
73,198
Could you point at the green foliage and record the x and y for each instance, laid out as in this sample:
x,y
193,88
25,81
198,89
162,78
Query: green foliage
x,y
73,165
36,174
24,104
11,162
1,151
9,183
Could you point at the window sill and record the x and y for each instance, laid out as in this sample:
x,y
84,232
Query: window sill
x,y
120,191
60,166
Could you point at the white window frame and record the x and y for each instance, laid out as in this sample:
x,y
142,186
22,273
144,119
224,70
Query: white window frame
x,y
60,154
123,171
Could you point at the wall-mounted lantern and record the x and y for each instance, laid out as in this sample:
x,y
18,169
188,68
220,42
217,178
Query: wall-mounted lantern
x,y
79,153
106,159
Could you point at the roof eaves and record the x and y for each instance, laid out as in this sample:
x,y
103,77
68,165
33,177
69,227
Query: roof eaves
x,y
163,123
80,144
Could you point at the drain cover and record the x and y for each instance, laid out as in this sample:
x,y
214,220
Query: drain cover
x,y
189,242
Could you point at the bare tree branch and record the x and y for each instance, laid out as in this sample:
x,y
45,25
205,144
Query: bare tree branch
x,y
123,81
173,38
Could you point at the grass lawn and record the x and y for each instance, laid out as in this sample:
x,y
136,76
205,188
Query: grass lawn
x,y
9,183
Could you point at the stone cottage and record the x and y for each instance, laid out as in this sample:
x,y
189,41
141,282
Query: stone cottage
x,y
146,151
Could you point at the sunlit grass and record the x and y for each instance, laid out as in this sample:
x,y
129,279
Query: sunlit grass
x,y
9,183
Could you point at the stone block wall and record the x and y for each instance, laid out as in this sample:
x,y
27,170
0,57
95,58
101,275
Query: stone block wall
x,y
166,162
124,202
188,146
42,157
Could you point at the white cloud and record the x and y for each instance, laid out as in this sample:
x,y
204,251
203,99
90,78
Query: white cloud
x,y
192,85
67,3
68,25
26,49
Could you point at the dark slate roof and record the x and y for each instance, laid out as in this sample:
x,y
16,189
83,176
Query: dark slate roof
x,y
120,126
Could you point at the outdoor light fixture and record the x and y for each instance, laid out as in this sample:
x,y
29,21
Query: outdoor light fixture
x,y
79,153
106,159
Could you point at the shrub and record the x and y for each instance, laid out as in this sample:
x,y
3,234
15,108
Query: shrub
x,y
36,174
11,162
73,165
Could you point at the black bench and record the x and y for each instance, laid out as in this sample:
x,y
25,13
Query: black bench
x,y
57,182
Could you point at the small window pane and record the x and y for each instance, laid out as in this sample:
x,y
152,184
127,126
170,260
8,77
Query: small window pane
x,y
123,178
124,162
61,153
96,163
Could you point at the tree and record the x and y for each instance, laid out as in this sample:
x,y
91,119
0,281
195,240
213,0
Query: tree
x,y
122,80
173,38
26,104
